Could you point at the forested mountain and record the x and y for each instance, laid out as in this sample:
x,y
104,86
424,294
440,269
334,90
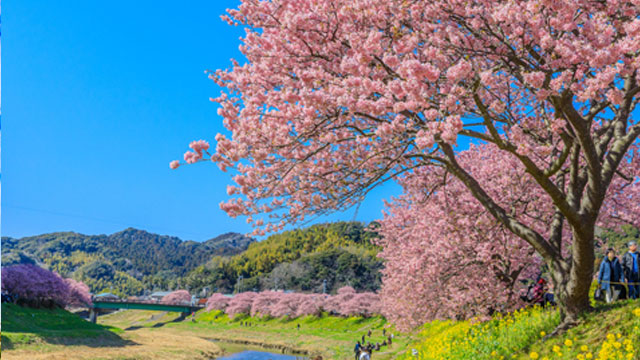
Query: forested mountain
x,y
340,253
125,262
325,256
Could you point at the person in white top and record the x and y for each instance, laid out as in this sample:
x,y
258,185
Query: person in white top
x,y
364,355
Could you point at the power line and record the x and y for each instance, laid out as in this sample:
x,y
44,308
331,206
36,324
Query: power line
x,y
103,220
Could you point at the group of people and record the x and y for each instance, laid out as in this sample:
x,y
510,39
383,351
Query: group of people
x,y
364,350
537,294
615,273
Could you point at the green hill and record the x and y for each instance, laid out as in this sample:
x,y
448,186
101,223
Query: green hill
x,y
340,253
320,257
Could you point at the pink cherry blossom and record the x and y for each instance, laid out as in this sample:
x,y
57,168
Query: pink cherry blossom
x,y
338,97
78,294
199,146
177,297
347,302
217,301
37,285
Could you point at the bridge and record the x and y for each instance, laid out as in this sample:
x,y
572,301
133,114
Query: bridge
x,y
183,307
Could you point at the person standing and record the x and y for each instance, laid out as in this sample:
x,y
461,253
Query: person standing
x,y
631,265
609,274
357,350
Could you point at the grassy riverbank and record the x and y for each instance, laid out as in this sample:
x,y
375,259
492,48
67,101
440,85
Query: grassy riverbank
x,y
57,334
329,336
610,332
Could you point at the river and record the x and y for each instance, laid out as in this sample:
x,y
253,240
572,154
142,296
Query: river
x,y
236,351
260,355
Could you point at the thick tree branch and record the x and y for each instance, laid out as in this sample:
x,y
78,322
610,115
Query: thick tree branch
x,y
557,196
531,236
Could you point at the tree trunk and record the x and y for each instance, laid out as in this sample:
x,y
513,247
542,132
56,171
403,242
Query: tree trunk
x,y
572,279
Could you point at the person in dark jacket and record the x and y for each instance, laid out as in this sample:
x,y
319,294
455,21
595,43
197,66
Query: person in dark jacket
x,y
610,272
357,350
631,269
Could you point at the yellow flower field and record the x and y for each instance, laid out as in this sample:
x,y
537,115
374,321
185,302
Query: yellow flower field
x,y
609,333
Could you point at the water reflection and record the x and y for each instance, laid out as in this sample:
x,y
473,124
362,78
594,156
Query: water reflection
x,y
260,355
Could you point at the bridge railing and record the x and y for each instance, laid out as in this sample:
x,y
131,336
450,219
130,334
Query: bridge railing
x,y
148,302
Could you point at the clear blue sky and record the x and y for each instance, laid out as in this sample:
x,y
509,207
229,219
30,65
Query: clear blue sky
x,y
98,97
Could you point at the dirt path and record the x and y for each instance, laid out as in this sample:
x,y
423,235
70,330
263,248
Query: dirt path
x,y
142,344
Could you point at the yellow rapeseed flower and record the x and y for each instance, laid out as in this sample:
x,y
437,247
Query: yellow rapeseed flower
x,y
568,343
534,355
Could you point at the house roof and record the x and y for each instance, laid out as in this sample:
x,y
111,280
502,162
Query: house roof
x,y
107,295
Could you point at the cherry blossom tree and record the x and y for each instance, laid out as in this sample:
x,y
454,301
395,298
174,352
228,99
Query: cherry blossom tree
x,y
177,297
38,286
264,301
240,303
217,301
446,255
311,305
334,303
78,293
347,302
287,305
338,97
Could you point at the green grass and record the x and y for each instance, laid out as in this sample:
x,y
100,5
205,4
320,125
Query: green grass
x,y
330,336
334,337
614,329
23,325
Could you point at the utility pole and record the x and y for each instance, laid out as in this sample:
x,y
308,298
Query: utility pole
x,y
240,277
324,286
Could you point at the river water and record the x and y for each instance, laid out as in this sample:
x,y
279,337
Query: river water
x,y
260,355
249,352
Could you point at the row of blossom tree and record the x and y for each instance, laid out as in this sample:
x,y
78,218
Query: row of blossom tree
x,y
36,286
347,302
